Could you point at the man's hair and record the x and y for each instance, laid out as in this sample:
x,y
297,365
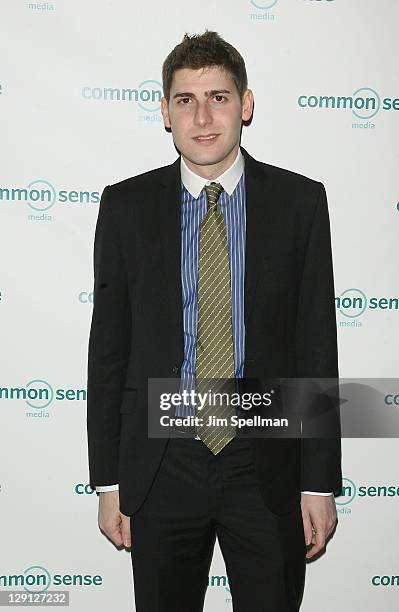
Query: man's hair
x,y
203,51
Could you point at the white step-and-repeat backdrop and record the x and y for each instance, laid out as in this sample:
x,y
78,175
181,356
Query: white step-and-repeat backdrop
x,y
79,103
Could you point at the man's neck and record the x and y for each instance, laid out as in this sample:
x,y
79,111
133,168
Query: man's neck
x,y
213,170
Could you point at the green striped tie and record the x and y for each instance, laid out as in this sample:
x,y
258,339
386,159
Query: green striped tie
x,y
214,346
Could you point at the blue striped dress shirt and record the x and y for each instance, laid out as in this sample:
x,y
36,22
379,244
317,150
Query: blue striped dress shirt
x,y
193,210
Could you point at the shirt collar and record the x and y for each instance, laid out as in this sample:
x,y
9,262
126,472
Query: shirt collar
x,y
229,179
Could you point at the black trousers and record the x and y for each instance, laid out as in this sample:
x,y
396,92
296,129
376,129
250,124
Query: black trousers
x,y
195,497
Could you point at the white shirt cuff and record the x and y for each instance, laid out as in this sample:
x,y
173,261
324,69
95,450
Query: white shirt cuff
x,y
107,488
315,493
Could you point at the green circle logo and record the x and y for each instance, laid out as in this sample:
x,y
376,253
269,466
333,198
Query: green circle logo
x,y
367,104
31,578
353,305
41,195
149,91
39,393
353,490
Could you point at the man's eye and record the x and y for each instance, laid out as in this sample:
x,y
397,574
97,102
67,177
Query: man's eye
x,y
218,97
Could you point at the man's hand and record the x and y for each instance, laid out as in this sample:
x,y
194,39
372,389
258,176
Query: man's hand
x,y
319,516
111,521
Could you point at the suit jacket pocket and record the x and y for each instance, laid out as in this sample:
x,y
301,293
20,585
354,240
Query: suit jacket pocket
x,y
129,401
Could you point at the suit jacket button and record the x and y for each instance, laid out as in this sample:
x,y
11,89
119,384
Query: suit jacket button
x,y
175,369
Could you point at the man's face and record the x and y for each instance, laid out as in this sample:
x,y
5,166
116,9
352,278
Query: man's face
x,y
205,113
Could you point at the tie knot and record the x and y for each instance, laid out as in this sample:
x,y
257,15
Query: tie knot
x,y
213,192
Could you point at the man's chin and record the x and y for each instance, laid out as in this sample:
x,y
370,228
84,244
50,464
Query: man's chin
x,y
205,158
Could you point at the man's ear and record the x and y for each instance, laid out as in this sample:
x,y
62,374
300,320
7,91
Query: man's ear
x,y
165,112
247,105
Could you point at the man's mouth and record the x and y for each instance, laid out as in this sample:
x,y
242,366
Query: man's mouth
x,y
207,138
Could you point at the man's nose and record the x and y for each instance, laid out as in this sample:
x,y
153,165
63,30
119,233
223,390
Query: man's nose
x,y
203,114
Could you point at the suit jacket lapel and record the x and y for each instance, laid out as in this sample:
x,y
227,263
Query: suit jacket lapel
x,y
256,227
169,201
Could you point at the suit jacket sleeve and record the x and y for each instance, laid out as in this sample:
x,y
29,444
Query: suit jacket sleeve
x,y
108,350
316,347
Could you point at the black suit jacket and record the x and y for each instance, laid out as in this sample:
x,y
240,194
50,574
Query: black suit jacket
x,y
137,330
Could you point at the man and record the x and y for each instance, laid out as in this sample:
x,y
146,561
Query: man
x,y
265,499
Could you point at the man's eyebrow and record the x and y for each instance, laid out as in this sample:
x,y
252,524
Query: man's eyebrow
x,y
212,92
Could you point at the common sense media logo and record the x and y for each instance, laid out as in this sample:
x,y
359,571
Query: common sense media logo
x,y
364,104
39,395
146,97
352,492
40,196
352,303
38,579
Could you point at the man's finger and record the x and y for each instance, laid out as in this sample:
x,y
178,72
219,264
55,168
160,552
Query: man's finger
x,y
113,532
319,539
307,528
125,531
